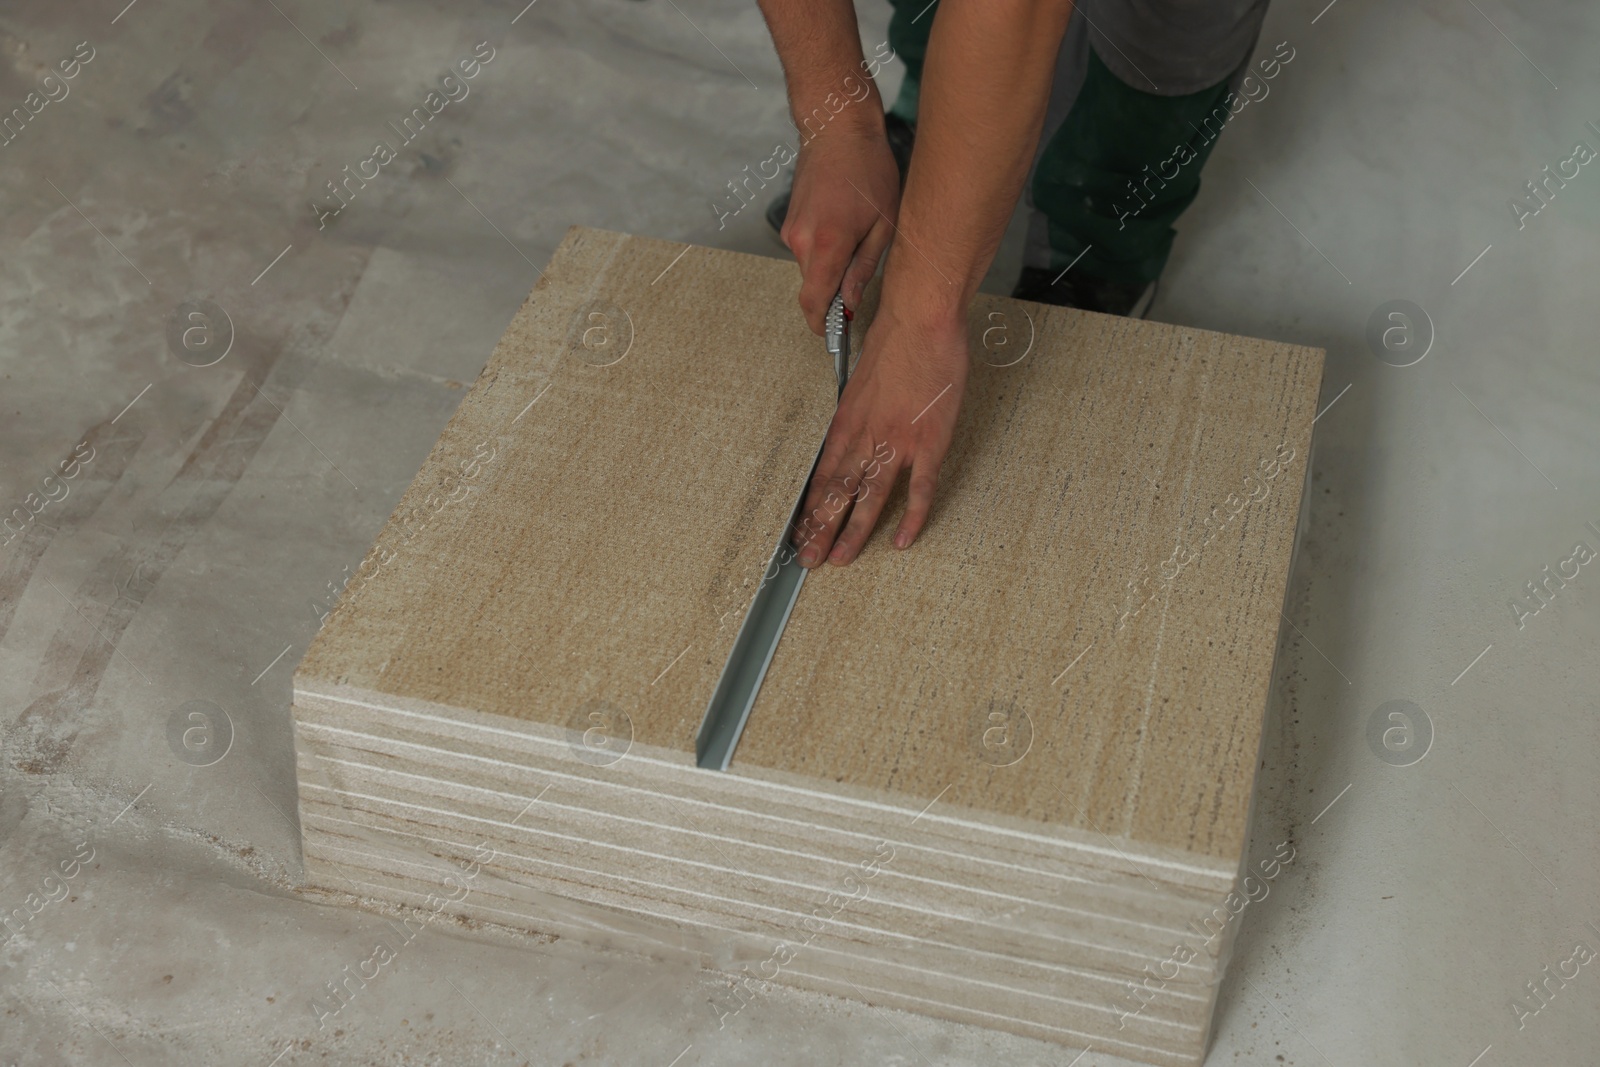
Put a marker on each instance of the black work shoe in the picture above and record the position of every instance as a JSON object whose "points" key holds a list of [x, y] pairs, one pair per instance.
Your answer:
{"points": [[902, 135], [1075, 290]]}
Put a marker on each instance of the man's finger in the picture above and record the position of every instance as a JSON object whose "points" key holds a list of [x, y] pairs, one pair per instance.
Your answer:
{"points": [[833, 461], [815, 533], [870, 502], [827, 506], [848, 469], [864, 264], [821, 272], [919, 499]]}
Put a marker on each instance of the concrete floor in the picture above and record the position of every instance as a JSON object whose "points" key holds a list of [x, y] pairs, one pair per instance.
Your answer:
{"points": [[196, 546]]}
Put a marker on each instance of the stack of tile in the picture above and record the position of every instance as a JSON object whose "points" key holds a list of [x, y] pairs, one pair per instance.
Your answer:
{"points": [[1003, 778]]}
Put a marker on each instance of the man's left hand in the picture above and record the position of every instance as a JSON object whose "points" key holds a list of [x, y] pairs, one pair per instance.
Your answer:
{"points": [[898, 413]]}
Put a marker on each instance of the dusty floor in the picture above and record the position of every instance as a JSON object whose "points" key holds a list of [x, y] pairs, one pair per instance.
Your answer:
{"points": [[211, 508]]}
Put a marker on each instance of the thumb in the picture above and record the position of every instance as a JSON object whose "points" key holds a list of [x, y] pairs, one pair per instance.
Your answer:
{"points": [[864, 264]]}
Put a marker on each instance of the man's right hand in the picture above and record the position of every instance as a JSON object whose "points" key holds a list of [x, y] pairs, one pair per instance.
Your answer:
{"points": [[841, 213]]}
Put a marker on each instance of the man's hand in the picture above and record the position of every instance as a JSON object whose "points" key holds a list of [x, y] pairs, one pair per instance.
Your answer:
{"points": [[898, 413], [846, 195], [984, 88], [846, 186]]}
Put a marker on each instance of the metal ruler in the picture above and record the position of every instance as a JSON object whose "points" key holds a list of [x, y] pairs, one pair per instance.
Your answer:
{"points": [[753, 648]]}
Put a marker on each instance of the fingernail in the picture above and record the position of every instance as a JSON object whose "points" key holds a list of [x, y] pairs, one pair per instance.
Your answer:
{"points": [[902, 539], [837, 554], [808, 557]]}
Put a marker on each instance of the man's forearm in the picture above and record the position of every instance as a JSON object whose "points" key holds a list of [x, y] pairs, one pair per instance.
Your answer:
{"points": [[985, 87], [819, 45]]}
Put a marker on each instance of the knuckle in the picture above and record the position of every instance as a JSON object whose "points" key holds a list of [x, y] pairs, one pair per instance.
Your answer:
{"points": [[841, 496], [827, 238]]}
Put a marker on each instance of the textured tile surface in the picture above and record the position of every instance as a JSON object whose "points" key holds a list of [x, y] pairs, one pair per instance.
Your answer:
{"points": [[210, 531], [632, 466]]}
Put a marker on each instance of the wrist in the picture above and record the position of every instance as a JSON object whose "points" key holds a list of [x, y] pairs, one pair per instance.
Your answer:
{"points": [[838, 93], [826, 111], [938, 345], [916, 294]]}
